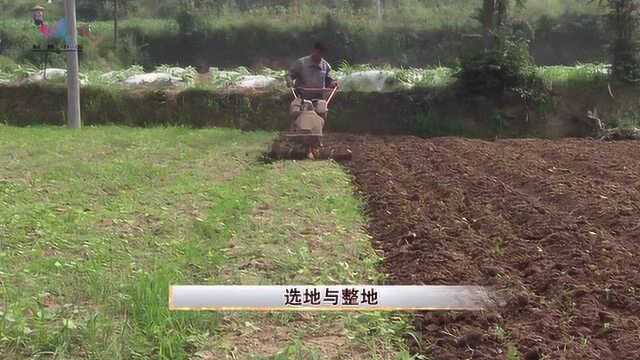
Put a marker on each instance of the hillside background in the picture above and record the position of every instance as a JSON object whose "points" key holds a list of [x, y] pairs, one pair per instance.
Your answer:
{"points": [[270, 33]]}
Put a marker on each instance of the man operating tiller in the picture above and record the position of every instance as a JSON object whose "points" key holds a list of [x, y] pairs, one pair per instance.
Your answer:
{"points": [[313, 88]]}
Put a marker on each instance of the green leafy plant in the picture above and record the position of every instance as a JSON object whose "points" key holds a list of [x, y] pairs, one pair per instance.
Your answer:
{"points": [[508, 68], [626, 119], [188, 74]]}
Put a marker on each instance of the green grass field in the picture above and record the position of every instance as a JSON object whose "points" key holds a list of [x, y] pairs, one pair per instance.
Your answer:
{"points": [[95, 224]]}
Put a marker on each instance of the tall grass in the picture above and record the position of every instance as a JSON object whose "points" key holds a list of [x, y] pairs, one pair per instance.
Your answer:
{"points": [[574, 76]]}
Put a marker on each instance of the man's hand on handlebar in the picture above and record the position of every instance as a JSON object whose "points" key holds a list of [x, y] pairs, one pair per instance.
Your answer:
{"points": [[319, 90]]}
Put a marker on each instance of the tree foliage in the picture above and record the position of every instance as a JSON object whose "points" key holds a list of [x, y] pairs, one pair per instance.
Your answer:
{"points": [[493, 16], [505, 66], [508, 68], [92, 10], [623, 19]]}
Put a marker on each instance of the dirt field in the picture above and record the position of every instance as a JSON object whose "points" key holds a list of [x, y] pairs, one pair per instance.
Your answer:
{"points": [[553, 225]]}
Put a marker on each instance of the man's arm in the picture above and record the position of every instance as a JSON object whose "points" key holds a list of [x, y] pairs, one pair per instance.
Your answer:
{"points": [[332, 83], [294, 73], [329, 80]]}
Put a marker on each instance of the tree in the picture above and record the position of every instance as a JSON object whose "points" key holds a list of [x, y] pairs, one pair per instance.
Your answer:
{"points": [[93, 10], [493, 16], [506, 66], [119, 7], [623, 21]]}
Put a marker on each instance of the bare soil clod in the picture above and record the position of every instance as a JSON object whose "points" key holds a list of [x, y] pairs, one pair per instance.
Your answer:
{"points": [[285, 148]]}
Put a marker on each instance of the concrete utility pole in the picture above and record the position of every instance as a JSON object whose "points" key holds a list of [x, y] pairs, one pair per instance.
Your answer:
{"points": [[115, 24], [297, 7], [73, 72], [380, 9]]}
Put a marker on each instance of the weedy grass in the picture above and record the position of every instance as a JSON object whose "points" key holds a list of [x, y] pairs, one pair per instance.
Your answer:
{"points": [[625, 118], [580, 75], [95, 224]]}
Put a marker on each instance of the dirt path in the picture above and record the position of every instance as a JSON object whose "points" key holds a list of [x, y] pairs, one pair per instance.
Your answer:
{"points": [[553, 225]]}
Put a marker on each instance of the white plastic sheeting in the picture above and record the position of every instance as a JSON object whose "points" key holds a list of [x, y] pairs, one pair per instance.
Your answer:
{"points": [[52, 74], [372, 81], [257, 82], [173, 71], [156, 79], [121, 75]]}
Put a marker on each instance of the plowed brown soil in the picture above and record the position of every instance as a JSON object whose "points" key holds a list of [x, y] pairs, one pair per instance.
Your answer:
{"points": [[553, 225]]}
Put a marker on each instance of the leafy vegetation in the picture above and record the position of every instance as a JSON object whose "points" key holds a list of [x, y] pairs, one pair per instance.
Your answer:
{"points": [[579, 76], [508, 68], [477, 72]]}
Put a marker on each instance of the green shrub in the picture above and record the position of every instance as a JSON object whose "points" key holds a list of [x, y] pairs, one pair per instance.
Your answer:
{"points": [[625, 119], [7, 64], [626, 62], [493, 72], [509, 68]]}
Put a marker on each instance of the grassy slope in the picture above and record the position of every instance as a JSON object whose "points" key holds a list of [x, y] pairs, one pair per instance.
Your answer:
{"points": [[95, 224]]}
